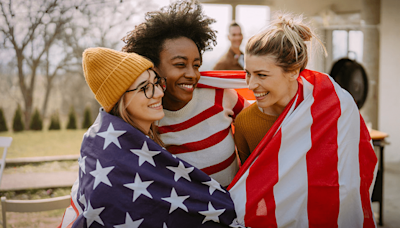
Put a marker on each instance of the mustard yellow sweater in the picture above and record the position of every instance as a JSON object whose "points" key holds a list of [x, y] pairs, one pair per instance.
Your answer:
{"points": [[251, 125]]}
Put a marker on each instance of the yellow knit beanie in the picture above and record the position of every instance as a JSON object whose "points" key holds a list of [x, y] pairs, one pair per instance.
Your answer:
{"points": [[110, 73]]}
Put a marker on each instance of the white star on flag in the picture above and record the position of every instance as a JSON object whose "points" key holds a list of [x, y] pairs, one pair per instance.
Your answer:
{"points": [[81, 162], [236, 224], [129, 223], [214, 185], [181, 171], [145, 154], [92, 215], [82, 199], [164, 225], [211, 214], [139, 187], [111, 136], [176, 201], [100, 174]]}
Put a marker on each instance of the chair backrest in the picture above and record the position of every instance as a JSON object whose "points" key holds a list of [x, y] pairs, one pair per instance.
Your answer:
{"points": [[4, 142], [33, 205]]}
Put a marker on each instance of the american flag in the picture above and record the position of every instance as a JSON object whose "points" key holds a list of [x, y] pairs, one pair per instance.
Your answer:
{"points": [[315, 167], [127, 180]]}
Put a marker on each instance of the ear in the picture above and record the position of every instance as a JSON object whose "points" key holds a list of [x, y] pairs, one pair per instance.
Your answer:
{"points": [[294, 75]]}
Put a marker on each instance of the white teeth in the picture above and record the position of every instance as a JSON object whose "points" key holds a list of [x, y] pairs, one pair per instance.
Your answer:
{"points": [[260, 94], [187, 86], [155, 105]]}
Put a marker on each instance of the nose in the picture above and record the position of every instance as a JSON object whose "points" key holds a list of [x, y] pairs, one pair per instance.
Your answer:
{"points": [[158, 92], [192, 73], [252, 83]]}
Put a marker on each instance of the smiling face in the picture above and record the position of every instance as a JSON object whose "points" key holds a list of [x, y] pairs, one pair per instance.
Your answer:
{"points": [[144, 111], [272, 87], [179, 63]]}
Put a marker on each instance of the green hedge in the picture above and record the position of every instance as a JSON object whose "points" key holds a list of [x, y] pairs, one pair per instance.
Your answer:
{"points": [[36, 121], [87, 118], [3, 122], [55, 122], [71, 119], [18, 124]]}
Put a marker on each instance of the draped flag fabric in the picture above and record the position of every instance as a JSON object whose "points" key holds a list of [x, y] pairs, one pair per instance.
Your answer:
{"points": [[127, 180], [227, 79], [314, 168]]}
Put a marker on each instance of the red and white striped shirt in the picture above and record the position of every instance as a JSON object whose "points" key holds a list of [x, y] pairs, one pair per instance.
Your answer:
{"points": [[200, 133], [314, 168]]}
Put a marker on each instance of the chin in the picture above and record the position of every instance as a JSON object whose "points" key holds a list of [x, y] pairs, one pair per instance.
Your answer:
{"points": [[159, 116], [187, 98], [261, 104]]}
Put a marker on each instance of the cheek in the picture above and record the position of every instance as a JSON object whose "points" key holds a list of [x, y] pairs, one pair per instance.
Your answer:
{"points": [[131, 109], [136, 105], [198, 75]]}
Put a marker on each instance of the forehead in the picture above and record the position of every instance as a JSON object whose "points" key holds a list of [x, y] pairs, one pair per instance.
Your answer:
{"points": [[235, 30], [144, 77], [182, 46], [256, 63]]}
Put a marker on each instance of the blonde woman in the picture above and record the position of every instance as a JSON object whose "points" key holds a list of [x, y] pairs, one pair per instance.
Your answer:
{"points": [[126, 177], [308, 159]]}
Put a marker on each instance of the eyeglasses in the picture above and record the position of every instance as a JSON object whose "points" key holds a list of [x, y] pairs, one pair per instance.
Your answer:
{"points": [[149, 88]]}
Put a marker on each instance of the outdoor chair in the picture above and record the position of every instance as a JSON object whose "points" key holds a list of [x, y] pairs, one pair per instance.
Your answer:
{"points": [[4, 142], [33, 205]]}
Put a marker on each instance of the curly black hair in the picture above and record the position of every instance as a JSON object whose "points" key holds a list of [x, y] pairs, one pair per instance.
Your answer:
{"points": [[180, 19]]}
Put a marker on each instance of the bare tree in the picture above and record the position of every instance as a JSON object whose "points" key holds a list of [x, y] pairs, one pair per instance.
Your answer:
{"points": [[96, 25], [49, 36], [30, 28]]}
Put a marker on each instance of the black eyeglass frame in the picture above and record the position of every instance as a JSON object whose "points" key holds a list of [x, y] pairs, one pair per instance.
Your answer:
{"points": [[159, 81]]}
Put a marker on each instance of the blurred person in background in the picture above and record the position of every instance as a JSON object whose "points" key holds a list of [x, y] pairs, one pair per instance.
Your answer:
{"points": [[233, 59]]}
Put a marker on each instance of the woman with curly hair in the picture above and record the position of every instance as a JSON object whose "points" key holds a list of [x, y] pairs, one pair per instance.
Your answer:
{"points": [[197, 122]]}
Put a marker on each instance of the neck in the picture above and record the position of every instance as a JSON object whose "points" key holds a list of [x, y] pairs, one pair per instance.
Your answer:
{"points": [[172, 105], [144, 127], [236, 50]]}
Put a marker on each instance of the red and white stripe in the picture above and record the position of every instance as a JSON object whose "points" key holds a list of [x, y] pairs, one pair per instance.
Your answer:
{"points": [[74, 210], [314, 168], [231, 79], [200, 133]]}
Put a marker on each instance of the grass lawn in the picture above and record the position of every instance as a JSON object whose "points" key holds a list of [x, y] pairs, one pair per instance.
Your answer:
{"points": [[44, 143]]}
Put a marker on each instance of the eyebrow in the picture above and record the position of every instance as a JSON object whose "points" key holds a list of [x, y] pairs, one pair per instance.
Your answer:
{"points": [[184, 58], [142, 83], [258, 71], [146, 81]]}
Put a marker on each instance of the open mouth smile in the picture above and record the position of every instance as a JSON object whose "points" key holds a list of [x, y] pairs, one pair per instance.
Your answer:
{"points": [[188, 87], [260, 96], [156, 105]]}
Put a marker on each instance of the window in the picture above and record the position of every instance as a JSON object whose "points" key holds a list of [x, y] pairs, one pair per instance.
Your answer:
{"points": [[347, 43]]}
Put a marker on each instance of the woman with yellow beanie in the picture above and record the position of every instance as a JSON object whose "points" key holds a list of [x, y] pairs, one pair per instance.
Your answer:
{"points": [[126, 178]]}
